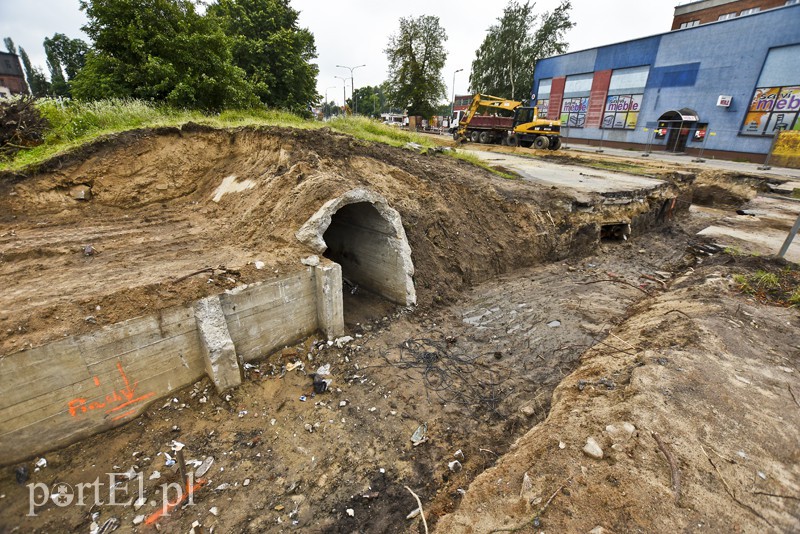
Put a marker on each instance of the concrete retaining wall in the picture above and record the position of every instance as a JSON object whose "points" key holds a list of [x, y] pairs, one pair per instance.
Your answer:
{"points": [[59, 393]]}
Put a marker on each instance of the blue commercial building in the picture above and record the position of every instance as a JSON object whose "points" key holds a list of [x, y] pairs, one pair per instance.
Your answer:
{"points": [[726, 87]]}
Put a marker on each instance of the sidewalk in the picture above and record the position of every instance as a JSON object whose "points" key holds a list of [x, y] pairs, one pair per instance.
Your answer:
{"points": [[685, 159]]}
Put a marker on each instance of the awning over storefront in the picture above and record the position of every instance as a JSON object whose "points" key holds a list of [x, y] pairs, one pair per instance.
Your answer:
{"points": [[681, 115]]}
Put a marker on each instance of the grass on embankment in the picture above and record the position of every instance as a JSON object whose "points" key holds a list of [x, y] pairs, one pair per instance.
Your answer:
{"points": [[74, 123]]}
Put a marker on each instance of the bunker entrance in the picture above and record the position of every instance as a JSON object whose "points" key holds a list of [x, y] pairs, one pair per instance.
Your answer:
{"points": [[365, 236], [364, 244]]}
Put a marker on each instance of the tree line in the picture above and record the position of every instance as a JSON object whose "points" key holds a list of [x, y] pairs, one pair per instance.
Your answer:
{"points": [[242, 53]]}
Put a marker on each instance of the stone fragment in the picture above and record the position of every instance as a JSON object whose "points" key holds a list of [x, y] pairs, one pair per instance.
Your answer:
{"points": [[592, 449]]}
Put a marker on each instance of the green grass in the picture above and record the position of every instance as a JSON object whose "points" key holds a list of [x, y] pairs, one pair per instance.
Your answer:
{"points": [[74, 123], [478, 162], [766, 280]]}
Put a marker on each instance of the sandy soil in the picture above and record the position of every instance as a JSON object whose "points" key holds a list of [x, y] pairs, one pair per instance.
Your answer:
{"points": [[622, 343]]}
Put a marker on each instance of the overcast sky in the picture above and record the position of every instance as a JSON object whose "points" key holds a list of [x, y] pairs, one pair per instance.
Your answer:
{"points": [[355, 32]]}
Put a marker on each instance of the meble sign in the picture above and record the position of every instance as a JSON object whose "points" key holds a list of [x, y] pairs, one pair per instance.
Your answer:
{"points": [[724, 101]]}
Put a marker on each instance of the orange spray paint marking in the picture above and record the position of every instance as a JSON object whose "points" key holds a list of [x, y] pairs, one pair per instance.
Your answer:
{"points": [[114, 401]]}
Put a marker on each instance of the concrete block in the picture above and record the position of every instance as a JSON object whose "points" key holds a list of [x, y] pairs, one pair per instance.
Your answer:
{"points": [[330, 310], [222, 365]]}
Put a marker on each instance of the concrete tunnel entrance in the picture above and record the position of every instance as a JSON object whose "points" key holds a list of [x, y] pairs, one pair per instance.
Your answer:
{"points": [[365, 236]]}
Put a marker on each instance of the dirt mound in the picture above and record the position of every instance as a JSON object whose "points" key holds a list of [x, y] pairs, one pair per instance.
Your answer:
{"points": [[693, 404], [105, 232]]}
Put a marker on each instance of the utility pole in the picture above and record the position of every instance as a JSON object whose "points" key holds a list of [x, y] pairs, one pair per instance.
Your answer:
{"points": [[344, 94], [352, 84], [326, 106], [453, 101]]}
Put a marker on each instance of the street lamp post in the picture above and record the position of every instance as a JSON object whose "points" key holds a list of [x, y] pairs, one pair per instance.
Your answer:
{"points": [[344, 89], [453, 101], [325, 106], [352, 84]]}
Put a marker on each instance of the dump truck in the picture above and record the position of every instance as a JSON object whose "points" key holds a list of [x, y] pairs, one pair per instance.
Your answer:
{"points": [[491, 119]]}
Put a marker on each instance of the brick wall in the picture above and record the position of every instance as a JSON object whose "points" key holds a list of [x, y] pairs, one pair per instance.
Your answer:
{"points": [[713, 13]]}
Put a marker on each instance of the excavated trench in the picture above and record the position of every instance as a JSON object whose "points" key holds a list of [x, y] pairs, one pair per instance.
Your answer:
{"points": [[170, 226]]}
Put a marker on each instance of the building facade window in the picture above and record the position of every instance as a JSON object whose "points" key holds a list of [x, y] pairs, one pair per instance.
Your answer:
{"points": [[775, 104], [576, 100], [750, 11], [543, 97], [690, 24], [624, 101], [792, 2], [727, 16]]}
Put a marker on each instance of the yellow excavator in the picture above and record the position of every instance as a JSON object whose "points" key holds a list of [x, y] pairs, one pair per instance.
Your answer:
{"points": [[491, 119]]}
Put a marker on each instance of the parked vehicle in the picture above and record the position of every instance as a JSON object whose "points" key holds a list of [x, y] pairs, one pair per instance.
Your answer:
{"points": [[491, 119]]}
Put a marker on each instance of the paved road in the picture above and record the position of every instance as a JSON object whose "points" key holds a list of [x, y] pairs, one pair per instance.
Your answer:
{"points": [[581, 179]]}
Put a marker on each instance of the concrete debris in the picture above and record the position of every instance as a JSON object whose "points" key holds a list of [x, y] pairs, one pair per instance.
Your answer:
{"points": [[311, 261], [197, 528], [351, 512], [528, 410], [324, 370], [600, 530], [222, 487], [41, 463], [213, 511], [204, 467], [141, 501], [454, 466], [592, 449], [459, 454], [562, 445], [138, 520], [554, 324], [155, 476], [246, 482], [259, 264]]}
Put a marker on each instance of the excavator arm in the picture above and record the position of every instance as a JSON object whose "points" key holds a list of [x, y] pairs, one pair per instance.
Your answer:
{"points": [[484, 101]]}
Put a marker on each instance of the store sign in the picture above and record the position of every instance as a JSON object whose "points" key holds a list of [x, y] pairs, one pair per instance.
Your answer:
{"points": [[724, 101], [773, 109]]}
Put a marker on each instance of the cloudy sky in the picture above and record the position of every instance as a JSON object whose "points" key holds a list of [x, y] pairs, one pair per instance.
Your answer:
{"points": [[355, 32]]}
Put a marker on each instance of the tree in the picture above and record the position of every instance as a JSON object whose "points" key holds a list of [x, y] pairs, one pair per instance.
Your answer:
{"points": [[504, 63], [65, 58], [372, 100], [160, 50], [416, 57], [37, 81], [272, 49], [10, 46]]}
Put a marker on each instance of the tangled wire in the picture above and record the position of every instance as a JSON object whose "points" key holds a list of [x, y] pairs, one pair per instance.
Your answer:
{"points": [[453, 375]]}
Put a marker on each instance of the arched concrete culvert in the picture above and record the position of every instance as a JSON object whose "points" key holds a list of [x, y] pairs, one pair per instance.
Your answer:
{"points": [[361, 232]]}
